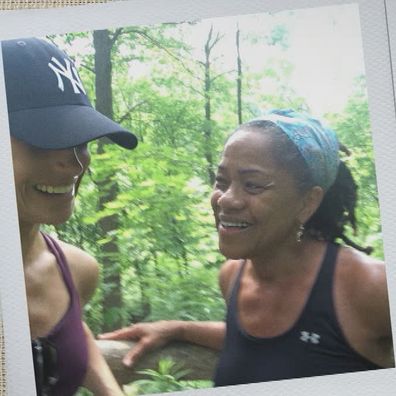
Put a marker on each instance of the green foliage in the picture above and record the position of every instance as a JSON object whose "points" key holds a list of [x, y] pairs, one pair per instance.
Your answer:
{"points": [[168, 257], [279, 35], [354, 131], [84, 392], [167, 378], [194, 297], [164, 379]]}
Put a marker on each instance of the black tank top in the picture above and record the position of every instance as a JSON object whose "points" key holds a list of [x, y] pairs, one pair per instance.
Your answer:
{"points": [[314, 345]]}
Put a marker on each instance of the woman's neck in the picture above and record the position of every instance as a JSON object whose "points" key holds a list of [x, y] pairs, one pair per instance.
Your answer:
{"points": [[289, 261], [32, 242]]}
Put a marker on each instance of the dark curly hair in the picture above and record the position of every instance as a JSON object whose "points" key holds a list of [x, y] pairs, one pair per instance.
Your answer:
{"points": [[337, 208]]}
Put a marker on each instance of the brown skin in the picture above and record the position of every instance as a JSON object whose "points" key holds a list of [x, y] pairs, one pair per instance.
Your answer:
{"points": [[362, 306], [362, 311], [253, 191], [47, 295], [154, 335]]}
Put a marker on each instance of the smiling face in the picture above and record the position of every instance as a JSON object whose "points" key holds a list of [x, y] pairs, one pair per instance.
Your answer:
{"points": [[256, 204], [45, 182]]}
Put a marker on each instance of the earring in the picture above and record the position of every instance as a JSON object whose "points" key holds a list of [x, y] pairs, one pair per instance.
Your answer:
{"points": [[78, 159], [300, 233]]}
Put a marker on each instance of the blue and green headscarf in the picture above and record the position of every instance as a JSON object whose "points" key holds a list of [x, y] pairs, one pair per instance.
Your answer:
{"points": [[317, 143]]}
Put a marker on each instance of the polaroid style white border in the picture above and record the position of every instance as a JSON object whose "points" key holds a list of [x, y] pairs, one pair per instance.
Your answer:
{"points": [[390, 6], [40, 22]]}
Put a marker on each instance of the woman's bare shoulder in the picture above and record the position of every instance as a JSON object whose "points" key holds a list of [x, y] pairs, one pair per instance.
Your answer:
{"points": [[227, 274], [84, 269], [363, 281], [368, 271]]}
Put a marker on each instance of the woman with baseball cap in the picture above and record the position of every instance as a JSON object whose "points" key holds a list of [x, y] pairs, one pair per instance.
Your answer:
{"points": [[51, 122]]}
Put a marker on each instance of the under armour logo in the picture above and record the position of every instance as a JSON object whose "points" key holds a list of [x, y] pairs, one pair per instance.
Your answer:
{"points": [[313, 338], [68, 71]]}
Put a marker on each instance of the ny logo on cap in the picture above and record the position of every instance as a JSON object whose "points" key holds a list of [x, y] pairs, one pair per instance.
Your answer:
{"points": [[68, 71]]}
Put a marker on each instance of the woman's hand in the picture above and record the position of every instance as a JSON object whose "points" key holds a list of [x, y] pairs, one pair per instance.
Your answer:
{"points": [[148, 336], [157, 334]]}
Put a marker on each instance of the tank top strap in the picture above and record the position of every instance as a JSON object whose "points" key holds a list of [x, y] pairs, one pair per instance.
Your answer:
{"points": [[56, 250], [68, 336], [236, 284], [321, 296]]}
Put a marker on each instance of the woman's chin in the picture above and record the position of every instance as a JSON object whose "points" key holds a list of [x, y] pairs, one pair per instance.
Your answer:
{"points": [[58, 219], [231, 253]]}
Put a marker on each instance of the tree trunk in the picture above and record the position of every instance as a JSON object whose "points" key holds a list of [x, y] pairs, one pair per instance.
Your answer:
{"points": [[145, 307], [112, 301], [208, 110]]}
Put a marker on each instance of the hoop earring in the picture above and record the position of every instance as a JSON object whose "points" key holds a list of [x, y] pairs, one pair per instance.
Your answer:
{"points": [[300, 233]]}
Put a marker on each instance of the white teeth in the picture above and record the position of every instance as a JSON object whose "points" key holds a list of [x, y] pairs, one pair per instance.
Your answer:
{"points": [[55, 189], [232, 224]]}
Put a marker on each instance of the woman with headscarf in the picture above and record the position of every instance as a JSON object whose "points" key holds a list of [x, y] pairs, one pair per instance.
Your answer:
{"points": [[299, 303]]}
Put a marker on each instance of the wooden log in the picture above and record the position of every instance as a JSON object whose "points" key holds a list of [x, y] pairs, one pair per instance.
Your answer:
{"points": [[200, 361]]}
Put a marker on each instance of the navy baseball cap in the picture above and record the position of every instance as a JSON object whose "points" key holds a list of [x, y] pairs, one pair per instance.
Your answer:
{"points": [[47, 103]]}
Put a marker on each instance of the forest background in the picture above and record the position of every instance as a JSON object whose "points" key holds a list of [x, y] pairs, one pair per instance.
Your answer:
{"points": [[182, 88]]}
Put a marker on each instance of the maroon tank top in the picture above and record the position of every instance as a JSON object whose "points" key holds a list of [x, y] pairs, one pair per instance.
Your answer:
{"points": [[67, 337]]}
